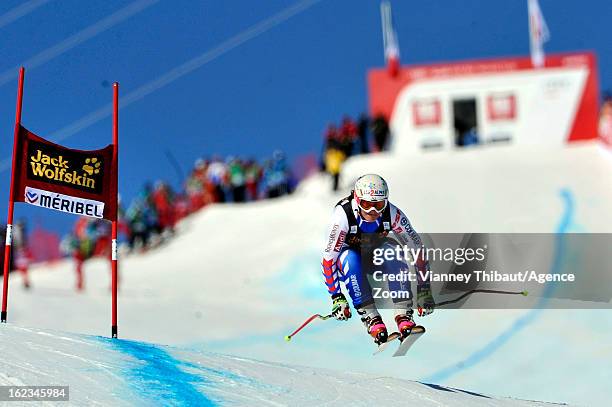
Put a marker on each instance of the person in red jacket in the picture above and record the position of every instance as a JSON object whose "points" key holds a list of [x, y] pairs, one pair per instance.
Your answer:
{"points": [[163, 201], [348, 135]]}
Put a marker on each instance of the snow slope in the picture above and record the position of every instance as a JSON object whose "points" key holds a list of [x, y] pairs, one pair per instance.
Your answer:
{"points": [[101, 371], [240, 277]]}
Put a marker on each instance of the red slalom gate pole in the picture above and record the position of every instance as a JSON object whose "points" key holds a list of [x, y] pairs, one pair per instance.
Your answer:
{"points": [[115, 182], [11, 203]]}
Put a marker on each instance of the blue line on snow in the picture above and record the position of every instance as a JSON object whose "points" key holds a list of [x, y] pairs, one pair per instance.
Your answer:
{"points": [[157, 376], [528, 317]]}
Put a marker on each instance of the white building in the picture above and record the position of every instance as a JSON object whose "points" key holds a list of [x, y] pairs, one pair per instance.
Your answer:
{"points": [[443, 106]]}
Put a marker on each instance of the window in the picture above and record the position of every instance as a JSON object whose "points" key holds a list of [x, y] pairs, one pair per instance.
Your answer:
{"points": [[501, 106], [427, 112]]}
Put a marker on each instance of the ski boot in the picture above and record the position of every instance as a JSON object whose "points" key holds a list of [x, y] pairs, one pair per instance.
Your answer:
{"points": [[376, 328], [405, 323]]}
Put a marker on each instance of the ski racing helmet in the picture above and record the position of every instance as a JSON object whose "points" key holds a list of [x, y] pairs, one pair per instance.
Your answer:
{"points": [[371, 193]]}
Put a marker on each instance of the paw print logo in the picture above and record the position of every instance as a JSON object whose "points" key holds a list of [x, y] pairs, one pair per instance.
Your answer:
{"points": [[92, 166]]}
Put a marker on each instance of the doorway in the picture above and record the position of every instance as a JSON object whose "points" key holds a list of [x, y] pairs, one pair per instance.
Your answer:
{"points": [[465, 122]]}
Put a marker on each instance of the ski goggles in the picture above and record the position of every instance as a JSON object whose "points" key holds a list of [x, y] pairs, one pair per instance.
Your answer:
{"points": [[368, 206]]}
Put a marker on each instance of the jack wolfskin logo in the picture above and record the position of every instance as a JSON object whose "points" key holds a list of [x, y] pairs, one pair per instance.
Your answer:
{"points": [[92, 166], [65, 168]]}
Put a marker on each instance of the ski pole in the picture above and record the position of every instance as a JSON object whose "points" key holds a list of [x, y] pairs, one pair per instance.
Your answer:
{"points": [[462, 296], [308, 321]]}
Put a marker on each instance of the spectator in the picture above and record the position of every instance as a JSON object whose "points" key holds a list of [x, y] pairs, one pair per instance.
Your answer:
{"points": [[217, 175], [276, 175], [237, 179], [163, 201], [199, 190], [90, 238], [380, 131], [21, 256], [194, 188], [100, 232], [181, 207], [70, 247], [362, 126], [122, 225], [605, 119], [334, 157], [335, 154], [348, 136], [331, 138], [253, 174], [81, 246], [142, 220]]}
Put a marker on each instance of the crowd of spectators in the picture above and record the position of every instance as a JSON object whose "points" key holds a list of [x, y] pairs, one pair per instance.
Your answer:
{"points": [[237, 180], [151, 216], [352, 137]]}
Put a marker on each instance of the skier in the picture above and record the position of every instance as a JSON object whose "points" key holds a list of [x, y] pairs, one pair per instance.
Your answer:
{"points": [[365, 214]]}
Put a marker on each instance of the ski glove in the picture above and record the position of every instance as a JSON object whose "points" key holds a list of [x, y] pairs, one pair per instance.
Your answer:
{"points": [[340, 307], [425, 302]]}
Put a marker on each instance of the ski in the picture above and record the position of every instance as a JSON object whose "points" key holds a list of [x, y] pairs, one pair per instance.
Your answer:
{"points": [[408, 341], [405, 343], [393, 336]]}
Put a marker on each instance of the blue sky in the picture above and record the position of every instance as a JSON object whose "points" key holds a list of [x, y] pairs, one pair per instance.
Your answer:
{"points": [[275, 90]]}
